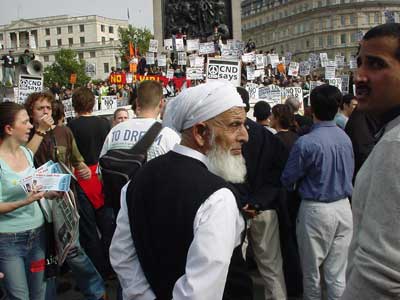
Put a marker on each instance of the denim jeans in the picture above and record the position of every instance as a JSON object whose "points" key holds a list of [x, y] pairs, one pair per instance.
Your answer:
{"points": [[90, 223], [86, 276], [22, 260]]}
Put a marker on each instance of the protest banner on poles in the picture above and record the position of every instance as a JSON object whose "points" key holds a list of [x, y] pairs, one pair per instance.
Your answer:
{"points": [[153, 46], [218, 68], [27, 85]]}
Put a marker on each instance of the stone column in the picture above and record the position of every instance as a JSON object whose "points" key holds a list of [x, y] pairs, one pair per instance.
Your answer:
{"points": [[236, 20], [158, 22], [17, 35]]}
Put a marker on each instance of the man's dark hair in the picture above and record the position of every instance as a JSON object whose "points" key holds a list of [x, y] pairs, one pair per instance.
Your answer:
{"points": [[325, 101], [262, 111], [83, 100], [346, 100], [245, 96], [284, 115], [385, 30]]}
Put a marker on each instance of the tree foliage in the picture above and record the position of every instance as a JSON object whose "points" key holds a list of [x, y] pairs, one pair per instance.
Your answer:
{"points": [[138, 36], [66, 63]]}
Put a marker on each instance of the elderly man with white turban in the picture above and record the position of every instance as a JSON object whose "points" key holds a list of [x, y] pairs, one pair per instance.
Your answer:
{"points": [[184, 219]]}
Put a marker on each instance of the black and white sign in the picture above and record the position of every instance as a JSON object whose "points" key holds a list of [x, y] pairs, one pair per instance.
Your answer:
{"points": [[293, 69], [273, 60], [250, 73], [345, 83], [336, 82], [259, 61], [296, 92], [150, 58], [192, 45], [249, 57], [304, 68], [270, 94], [194, 74], [68, 109], [179, 45], [27, 85], [182, 58], [90, 69], [206, 48], [168, 45], [170, 73], [229, 70], [330, 72], [153, 46], [162, 60], [108, 102], [252, 89]]}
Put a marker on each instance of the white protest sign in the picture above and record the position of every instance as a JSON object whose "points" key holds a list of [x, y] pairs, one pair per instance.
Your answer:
{"points": [[182, 58], [273, 60], [168, 45], [250, 73], [324, 59], [353, 63], [230, 53], [249, 57], [179, 45], [293, 69], [162, 60], [192, 45], [96, 103], [336, 82], [199, 62], [109, 102], [150, 58], [170, 73], [296, 92], [206, 48], [304, 68], [27, 85], [252, 89], [90, 69], [345, 83], [259, 61], [218, 68], [330, 72], [129, 77], [270, 94], [194, 73], [339, 59], [153, 46], [68, 108], [258, 73]]}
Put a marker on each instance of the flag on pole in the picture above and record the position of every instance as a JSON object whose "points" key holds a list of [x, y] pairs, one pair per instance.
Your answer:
{"points": [[127, 10], [131, 50]]}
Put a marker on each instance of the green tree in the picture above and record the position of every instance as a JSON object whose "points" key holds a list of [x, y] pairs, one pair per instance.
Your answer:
{"points": [[66, 63], [138, 36]]}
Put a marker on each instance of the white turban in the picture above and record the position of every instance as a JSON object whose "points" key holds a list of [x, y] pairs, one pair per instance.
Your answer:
{"points": [[200, 103]]}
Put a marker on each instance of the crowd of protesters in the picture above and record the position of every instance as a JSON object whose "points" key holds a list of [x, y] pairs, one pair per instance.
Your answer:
{"points": [[311, 200]]}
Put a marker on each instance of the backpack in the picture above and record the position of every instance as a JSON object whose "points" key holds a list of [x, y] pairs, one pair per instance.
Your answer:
{"points": [[118, 166]]}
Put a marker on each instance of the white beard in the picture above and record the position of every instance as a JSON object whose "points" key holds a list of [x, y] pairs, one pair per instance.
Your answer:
{"points": [[230, 167]]}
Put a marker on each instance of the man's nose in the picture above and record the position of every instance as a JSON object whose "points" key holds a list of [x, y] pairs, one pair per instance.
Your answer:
{"points": [[243, 136]]}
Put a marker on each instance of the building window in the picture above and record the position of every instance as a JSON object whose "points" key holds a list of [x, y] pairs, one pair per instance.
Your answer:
{"points": [[70, 41], [343, 20], [103, 40], [111, 29], [70, 29], [376, 18], [80, 55], [47, 31], [46, 58], [343, 38], [82, 40], [82, 28], [111, 39], [321, 41], [58, 30], [1, 36], [47, 43], [307, 43], [352, 19], [103, 28], [353, 37], [106, 68], [92, 54], [59, 42], [330, 40]]}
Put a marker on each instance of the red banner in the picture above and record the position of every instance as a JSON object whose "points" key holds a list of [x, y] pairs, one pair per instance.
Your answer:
{"points": [[117, 78]]}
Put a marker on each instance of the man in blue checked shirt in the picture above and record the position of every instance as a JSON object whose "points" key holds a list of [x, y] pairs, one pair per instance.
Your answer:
{"points": [[321, 166]]}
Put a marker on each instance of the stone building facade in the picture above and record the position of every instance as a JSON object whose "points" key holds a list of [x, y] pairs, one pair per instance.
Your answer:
{"points": [[313, 26], [94, 38]]}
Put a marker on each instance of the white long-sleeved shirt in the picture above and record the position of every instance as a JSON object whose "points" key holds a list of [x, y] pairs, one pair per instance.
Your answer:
{"points": [[217, 229]]}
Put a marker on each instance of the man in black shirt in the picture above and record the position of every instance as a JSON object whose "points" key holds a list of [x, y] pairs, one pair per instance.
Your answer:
{"points": [[8, 64]]}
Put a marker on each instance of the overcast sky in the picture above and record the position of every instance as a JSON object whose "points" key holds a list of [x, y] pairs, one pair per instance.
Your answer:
{"points": [[141, 11]]}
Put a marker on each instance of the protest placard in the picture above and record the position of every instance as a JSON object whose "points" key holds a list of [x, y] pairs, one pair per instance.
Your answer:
{"points": [[250, 73], [194, 74], [273, 60], [297, 93], [68, 108], [304, 68], [129, 77], [345, 83], [249, 57], [150, 58], [182, 58], [199, 62], [170, 73], [108, 102], [288, 57], [339, 59], [168, 45], [162, 60], [192, 45], [153, 46], [27, 85], [252, 89], [259, 61], [179, 45], [330, 72], [336, 82], [323, 57], [218, 68], [206, 48], [259, 73], [90, 69], [271, 94], [353, 63], [293, 69]]}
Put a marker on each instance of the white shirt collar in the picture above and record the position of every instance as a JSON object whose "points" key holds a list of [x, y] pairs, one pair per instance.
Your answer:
{"points": [[191, 153]]}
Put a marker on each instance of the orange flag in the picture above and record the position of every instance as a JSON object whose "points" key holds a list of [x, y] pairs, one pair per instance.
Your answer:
{"points": [[131, 49]]}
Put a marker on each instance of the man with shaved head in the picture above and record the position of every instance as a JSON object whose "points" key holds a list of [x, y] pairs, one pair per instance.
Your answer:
{"points": [[184, 217]]}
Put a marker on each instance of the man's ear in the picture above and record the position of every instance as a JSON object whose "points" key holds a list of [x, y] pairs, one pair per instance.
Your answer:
{"points": [[8, 129], [200, 133]]}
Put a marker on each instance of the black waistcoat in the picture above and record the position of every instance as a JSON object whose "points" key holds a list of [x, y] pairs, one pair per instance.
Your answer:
{"points": [[162, 205]]}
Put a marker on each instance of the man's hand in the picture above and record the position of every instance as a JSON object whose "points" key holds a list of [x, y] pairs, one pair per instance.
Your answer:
{"points": [[51, 195], [45, 123], [84, 171], [250, 211], [34, 196]]}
